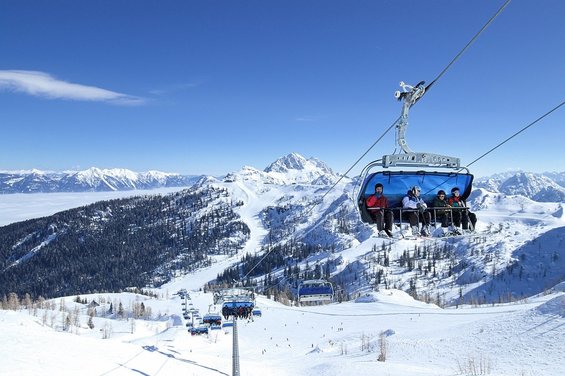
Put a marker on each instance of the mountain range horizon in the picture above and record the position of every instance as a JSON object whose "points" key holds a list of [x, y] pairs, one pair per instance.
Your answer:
{"points": [[288, 169]]}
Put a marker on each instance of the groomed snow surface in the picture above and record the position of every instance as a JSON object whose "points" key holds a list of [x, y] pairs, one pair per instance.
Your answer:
{"points": [[526, 338]]}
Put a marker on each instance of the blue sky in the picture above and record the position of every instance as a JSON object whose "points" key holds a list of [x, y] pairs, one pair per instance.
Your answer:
{"points": [[206, 87]]}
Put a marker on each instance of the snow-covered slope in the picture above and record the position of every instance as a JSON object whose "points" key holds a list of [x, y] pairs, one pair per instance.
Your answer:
{"points": [[20, 206], [333, 340]]}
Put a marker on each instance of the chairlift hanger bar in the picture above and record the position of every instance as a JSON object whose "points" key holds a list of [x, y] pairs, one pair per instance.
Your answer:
{"points": [[410, 95]]}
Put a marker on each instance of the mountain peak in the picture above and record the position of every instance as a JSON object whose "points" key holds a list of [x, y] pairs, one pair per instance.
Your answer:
{"points": [[294, 168], [292, 161], [539, 188]]}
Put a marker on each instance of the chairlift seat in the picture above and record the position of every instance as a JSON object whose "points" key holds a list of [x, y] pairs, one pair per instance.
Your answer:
{"points": [[396, 185]]}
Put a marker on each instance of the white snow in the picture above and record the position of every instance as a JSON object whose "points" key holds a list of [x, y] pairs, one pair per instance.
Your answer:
{"points": [[526, 337]]}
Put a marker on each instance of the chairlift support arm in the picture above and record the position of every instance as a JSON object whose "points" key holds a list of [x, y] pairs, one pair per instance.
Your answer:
{"points": [[410, 95]]}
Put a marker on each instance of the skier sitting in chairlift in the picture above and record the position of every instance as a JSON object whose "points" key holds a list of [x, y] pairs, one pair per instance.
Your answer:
{"points": [[463, 216], [413, 201], [377, 205]]}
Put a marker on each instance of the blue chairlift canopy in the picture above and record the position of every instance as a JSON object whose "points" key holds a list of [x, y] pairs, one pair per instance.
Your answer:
{"points": [[315, 290], [211, 318], [396, 185]]}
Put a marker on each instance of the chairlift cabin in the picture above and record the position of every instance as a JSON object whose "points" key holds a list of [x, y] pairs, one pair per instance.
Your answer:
{"points": [[398, 173], [256, 312], [315, 291], [237, 302], [397, 183], [212, 319], [237, 308], [199, 330]]}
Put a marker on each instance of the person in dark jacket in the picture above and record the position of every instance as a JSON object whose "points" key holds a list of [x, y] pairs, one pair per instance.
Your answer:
{"points": [[412, 200], [443, 215], [461, 216], [377, 205]]}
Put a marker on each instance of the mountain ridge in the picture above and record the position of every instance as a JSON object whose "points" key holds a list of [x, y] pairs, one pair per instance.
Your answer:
{"points": [[539, 187], [93, 179], [292, 168]]}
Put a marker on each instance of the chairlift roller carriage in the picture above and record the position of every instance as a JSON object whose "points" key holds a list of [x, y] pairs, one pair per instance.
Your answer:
{"points": [[398, 173]]}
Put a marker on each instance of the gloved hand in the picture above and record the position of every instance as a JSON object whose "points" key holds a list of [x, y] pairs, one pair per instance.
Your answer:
{"points": [[421, 208]]}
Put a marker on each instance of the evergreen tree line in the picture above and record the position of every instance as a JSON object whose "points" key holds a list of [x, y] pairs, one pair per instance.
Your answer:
{"points": [[280, 256], [111, 245]]}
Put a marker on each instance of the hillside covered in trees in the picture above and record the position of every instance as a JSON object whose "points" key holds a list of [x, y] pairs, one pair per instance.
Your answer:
{"points": [[111, 245]]}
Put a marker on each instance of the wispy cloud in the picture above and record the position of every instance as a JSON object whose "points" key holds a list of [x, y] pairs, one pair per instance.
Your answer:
{"points": [[44, 85]]}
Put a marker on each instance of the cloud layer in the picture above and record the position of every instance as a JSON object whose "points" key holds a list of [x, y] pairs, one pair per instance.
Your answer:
{"points": [[44, 85]]}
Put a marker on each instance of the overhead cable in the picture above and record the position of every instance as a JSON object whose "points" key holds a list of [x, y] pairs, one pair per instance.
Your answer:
{"points": [[468, 44], [520, 131]]}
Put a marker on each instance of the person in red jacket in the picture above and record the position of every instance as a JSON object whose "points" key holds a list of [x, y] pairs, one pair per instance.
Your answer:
{"points": [[376, 205], [462, 216]]}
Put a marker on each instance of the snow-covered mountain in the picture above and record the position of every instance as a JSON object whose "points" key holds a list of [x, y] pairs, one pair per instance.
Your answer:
{"points": [[294, 168], [546, 187], [558, 177], [90, 180], [326, 233], [283, 232], [290, 169]]}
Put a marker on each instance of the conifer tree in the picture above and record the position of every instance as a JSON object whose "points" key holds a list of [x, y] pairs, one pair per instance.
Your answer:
{"points": [[121, 310]]}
